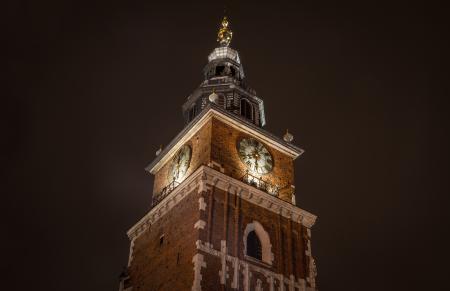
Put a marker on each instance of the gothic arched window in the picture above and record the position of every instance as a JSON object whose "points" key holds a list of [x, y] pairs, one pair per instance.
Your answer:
{"points": [[246, 109], [254, 248], [257, 243]]}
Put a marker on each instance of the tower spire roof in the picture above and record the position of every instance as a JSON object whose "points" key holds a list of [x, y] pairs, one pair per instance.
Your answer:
{"points": [[225, 34]]}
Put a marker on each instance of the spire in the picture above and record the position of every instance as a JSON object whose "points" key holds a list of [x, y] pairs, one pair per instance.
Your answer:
{"points": [[225, 34]]}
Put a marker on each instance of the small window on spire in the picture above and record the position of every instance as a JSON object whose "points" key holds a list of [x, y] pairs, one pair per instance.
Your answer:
{"points": [[192, 112], [221, 101], [246, 109], [220, 70]]}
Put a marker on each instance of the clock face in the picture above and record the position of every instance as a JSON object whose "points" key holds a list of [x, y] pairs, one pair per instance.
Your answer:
{"points": [[180, 164], [255, 156]]}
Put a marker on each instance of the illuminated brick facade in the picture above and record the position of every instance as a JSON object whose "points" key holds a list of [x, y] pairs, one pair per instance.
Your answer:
{"points": [[224, 152], [223, 224], [215, 145], [206, 217]]}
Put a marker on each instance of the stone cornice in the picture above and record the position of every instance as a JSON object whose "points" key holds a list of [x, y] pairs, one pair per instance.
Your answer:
{"points": [[214, 111], [259, 197], [205, 177], [189, 184]]}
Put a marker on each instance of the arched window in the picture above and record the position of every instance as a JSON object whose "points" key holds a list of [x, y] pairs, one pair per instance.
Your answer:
{"points": [[246, 109], [254, 248], [257, 243]]}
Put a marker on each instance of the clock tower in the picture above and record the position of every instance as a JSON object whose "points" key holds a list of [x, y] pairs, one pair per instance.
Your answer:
{"points": [[223, 211]]}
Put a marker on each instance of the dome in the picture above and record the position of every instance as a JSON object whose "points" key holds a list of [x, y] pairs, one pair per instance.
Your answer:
{"points": [[224, 53]]}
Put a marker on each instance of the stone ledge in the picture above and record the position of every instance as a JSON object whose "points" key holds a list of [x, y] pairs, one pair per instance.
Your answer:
{"points": [[204, 177], [212, 111], [259, 197]]}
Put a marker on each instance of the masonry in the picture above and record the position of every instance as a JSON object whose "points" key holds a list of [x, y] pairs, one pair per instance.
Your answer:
{"points": [[203, 225], [215, 143], [223, 213]]}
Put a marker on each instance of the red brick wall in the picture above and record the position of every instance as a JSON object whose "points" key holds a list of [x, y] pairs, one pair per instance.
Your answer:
{"points": [[155, 267], [224, 151], [217, 141], [201, 150], [240, 213]]}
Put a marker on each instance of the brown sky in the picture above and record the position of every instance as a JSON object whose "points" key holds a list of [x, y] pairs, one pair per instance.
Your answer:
{"points": [[93, 88]]}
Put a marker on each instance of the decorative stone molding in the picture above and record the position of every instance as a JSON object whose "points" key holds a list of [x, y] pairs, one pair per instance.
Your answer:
{"points": [[271, 281], [217, 166], [201, 204], [312, 270], [234, 121], [293, 195], [199, 263], [258, 285], [175, 197], [235, 282], [248, 268], [202, 187], [223, 273], [204, 178], [200, 224], [260, 198]]}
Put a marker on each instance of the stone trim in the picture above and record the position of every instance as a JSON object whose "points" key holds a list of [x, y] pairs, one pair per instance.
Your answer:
{"points": [[205, 177], [312, 270], [247, 269], [200, 224], [130, 255], [199, 263], [216, 165], [235, 122], [267, 255], [201, 204], [260, 198], [223, 273], [184, 189]]}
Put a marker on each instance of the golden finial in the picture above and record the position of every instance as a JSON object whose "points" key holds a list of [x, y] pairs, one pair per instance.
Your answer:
{"points": [[225, 34]]}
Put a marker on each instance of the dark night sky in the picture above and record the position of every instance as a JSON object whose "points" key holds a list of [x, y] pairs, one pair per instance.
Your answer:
{"points": [[93, 88]]}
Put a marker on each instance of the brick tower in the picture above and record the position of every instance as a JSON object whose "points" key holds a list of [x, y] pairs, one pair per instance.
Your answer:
{"points": [[224, 215]]}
